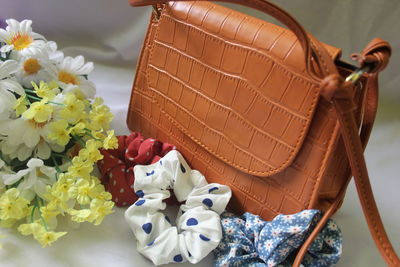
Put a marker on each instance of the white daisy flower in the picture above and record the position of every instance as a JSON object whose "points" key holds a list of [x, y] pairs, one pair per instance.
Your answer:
{"points": [[36, 68], [305, 214], [283, 252], [225, 221], [229, 230], [34, 179], [330, 240], [294, 229], [55, 55], [332, 226], [268, 245], [276, 232], [258, 221], [70, 74], [271, 263], [232, 252], [24, 138], [7, 85], [287, 218], [20, 39], [239, 221]]}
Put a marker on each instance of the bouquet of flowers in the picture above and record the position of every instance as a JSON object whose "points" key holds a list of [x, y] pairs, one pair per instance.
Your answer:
{"points": [[51, 130]]}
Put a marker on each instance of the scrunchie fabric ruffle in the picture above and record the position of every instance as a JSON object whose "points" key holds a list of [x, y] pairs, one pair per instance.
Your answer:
{"points": [[250, 241], [116, 167], [198, 229]]}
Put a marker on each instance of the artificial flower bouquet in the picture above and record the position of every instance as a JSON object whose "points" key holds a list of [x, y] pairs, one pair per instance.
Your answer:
{"points": [[51, 130]]}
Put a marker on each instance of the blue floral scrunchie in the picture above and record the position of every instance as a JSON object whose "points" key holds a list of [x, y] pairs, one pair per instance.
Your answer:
{"points": [[249, 241]]}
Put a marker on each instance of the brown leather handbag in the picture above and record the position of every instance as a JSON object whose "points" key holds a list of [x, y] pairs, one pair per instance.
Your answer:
{"points": [[263, 109]]}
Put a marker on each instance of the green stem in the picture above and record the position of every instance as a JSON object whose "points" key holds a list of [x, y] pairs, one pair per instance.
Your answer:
{"points": [[40, 213], [33, 213], [79, 140], [39, 99], [61, 156], [55, 163], [88, 134]]}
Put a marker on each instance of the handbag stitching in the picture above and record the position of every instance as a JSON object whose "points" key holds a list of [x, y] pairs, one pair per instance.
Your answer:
{"points": [[257, 51], [145, 43], [319, 54], [242, 189], [249, 84], [235, 113], [367, 203]]}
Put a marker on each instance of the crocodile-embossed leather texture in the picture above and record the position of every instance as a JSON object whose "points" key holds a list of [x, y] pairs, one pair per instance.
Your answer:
{"points": [[232, 92]]}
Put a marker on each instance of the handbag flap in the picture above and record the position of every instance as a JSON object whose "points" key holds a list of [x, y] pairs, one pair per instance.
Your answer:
{"points": [[234, 84]]}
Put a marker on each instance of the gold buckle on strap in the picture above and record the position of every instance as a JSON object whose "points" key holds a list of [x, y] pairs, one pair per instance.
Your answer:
{"points": [[357, 74]]}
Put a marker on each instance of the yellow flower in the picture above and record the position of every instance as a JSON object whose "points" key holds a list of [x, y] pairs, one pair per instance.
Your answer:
{"points": [[40, 233], [62, 190], [80, 215], [98, 190], [49, 212], [91, 151], [39, 111], [100, 117], [110, 142], [104, 195], [59, 132], [100, 209], [58, 204], [98, 101], [34, 228], [78, 129], [73, 110], [79, 94], [12, 206], [80, 168], [43, 90], [53, 85], [20, 105], [48, 237], [98, 135], [84, 189]]}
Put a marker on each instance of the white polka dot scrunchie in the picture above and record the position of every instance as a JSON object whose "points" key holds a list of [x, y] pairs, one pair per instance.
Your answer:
{"points": [[198, 229]]}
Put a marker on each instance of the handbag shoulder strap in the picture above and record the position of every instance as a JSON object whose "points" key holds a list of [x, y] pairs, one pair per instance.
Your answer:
{"points": [[376, 54], [354, 152]]}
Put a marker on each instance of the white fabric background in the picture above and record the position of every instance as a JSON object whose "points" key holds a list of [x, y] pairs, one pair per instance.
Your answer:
{"points": [[110, 33]]}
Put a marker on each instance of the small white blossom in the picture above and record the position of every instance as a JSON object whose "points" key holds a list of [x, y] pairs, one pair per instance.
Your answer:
{"points": [[34, 179]]}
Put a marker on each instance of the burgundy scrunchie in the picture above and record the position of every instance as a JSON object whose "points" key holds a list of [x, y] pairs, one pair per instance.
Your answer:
{"points": [[116, 167]]}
